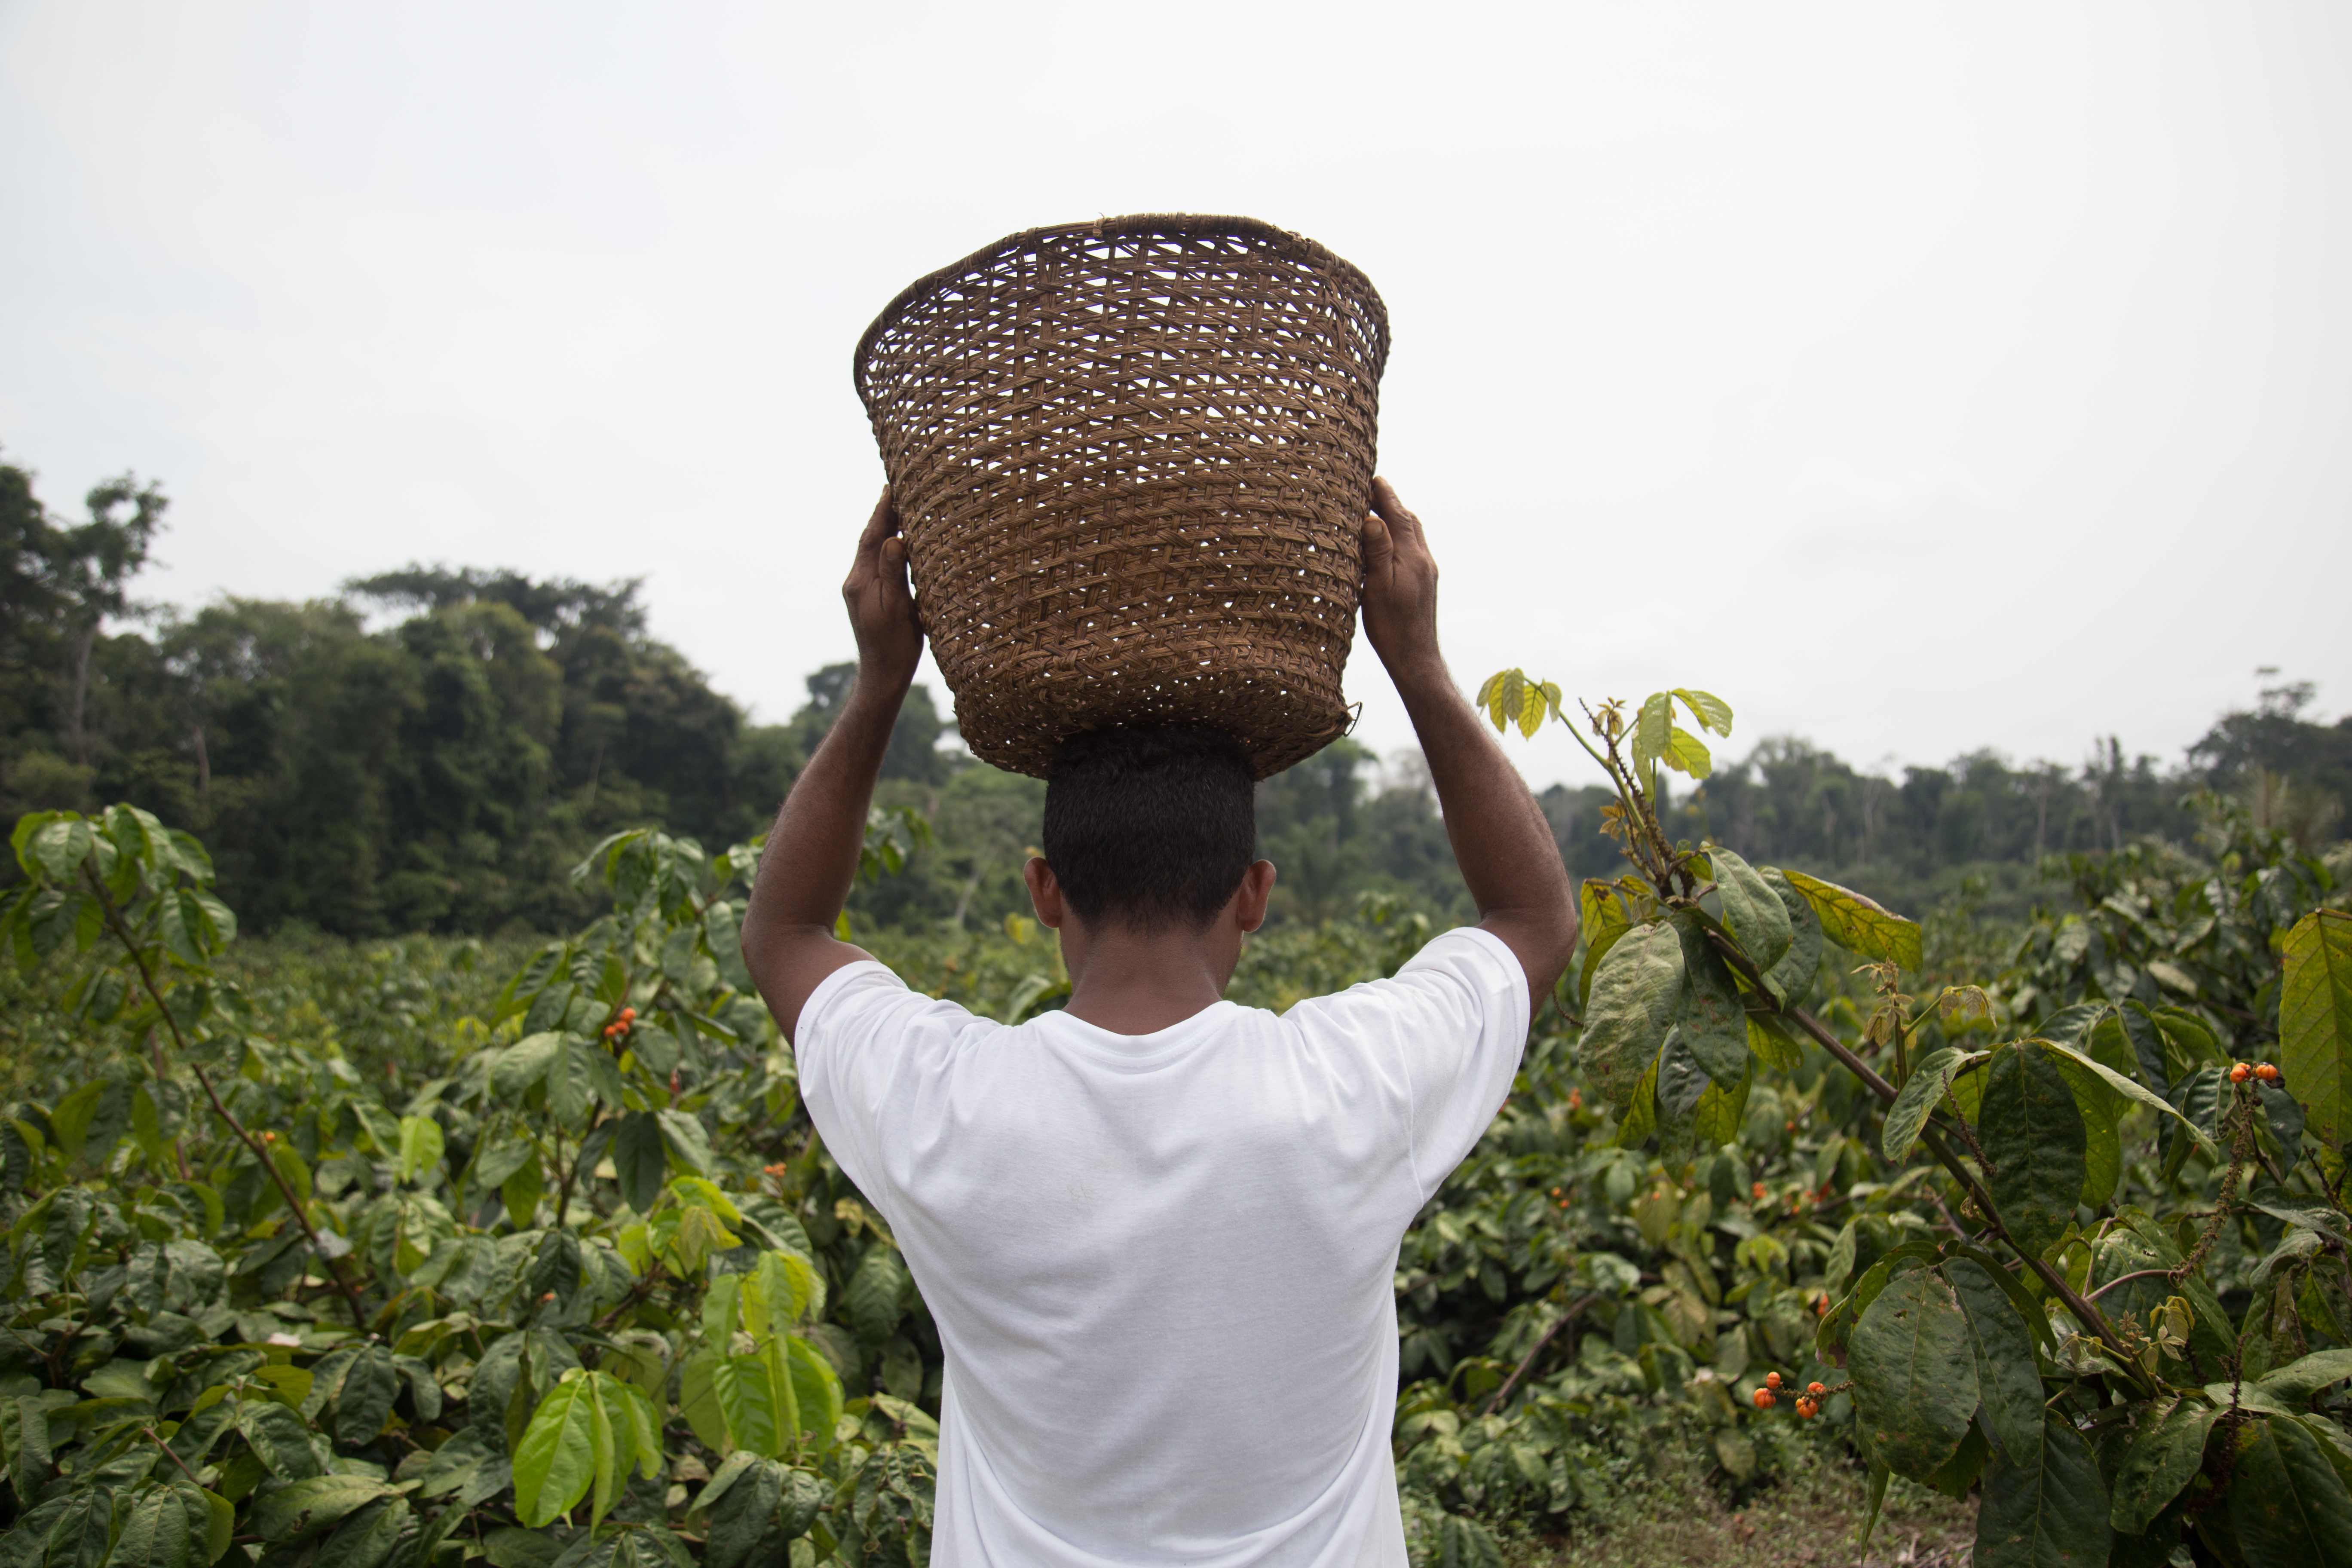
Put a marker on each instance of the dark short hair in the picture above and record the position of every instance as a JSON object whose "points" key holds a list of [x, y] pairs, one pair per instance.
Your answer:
{"points": [[1151, 827]]}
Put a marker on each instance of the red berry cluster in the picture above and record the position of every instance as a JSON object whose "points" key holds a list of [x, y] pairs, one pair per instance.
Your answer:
{"points": [[1809, 1402], [623, 1021], [2262, 1071]]}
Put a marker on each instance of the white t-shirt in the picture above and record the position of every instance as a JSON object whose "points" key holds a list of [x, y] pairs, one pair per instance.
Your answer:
{"points": [[1162, 1266]]}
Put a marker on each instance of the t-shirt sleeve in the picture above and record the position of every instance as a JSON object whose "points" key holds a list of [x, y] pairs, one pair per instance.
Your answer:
{"points": [[1446, 1035], [859, 1034]]}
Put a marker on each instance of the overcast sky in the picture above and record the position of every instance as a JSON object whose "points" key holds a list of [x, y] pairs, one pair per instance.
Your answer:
{"points": [[1917, 378]]}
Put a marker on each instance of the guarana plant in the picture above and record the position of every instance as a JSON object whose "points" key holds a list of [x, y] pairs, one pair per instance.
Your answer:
{"points": [[2065, 1173], [595, 1295]]}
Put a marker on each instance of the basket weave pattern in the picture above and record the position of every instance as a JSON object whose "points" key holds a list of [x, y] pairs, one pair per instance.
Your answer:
{"points": [[1131, 461]]}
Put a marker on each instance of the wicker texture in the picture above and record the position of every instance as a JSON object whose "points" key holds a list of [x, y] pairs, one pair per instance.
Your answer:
{"points": [[1131, 460]]}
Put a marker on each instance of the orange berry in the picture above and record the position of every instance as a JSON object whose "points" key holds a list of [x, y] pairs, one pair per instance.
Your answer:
{"points": [[1576, 1100], [2267, 1073], [1792, 1127], [2240, 1073], [1772, 1380], [628, 1014], [550, 1296], [1757, 1190], [1764, 1400], [1815, 1389], [1805, 1408]]}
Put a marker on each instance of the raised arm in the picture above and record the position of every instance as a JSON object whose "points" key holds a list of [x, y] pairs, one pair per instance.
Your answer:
{"points": [[1501, 839], [810, 858]]}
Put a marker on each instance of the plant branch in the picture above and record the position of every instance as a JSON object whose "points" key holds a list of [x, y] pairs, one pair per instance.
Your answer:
{"points": [[2083, 1310], [174, 1458], [155, 993]]}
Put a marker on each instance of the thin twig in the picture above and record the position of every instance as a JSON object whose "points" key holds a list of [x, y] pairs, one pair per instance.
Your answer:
{"points": [[1534, 1351]]}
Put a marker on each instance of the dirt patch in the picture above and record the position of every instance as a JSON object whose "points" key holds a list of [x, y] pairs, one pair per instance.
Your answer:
{"points": [[1809, 1521]]}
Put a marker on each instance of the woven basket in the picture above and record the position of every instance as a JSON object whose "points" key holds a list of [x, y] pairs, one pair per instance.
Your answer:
{"points": [[1131, 460]]}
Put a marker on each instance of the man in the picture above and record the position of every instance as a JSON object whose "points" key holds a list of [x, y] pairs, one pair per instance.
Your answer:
{"points": [[1158, 1231]]}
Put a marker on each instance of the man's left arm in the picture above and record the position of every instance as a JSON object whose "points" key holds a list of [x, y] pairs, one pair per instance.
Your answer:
{"points": [[810, 858]]}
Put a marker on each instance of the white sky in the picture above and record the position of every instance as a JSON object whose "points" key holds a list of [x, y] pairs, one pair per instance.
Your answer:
{"points": [[1918, 378]]}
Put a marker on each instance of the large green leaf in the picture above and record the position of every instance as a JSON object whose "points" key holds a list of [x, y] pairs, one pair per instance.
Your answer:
{"points": [[1921, 1094], [744, 1523], [1714, 1025], [556, 1459], [1753, 912], [2286, 1500], [1858, 923], [2165, 1452], [279, 1439], [2033, 1133], [1915, 1373], [2296, 1382], [368, 1538], [2009, 1380], [361, 1401], [1634, 993], [640, 1159], [2128, 1089], [2103, 1151], [156, 1535], [876, 1293], [748, 1395], [303, 1507], [697, 1399], [816, 1389], [2315, 1022], [1792, 976], [2051, 1515]]}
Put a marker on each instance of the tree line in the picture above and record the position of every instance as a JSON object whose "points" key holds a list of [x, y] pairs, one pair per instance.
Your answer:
{"points": [[444, 768]]}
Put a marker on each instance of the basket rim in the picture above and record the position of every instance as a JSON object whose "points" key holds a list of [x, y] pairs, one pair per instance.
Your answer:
{"points": [[1348, 272]]}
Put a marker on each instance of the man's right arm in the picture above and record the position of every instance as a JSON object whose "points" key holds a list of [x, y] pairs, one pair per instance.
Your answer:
{"points": [[1501, 840]]}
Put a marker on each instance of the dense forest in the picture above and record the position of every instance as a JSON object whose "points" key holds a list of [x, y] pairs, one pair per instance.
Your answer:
{"points": [[433, 749]]}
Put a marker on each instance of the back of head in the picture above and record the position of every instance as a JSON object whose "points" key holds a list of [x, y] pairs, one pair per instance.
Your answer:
{"points": [[1150, 827]]}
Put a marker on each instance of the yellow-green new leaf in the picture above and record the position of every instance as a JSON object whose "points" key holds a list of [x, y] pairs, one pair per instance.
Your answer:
{"points": [[1711, 711], [556, 1460], [1858, 924], [421, 1144]]}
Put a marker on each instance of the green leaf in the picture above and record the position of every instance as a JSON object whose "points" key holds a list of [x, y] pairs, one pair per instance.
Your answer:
{"points": [[2286, 1500], [2009, 1380], [2165, 1452], [2315, 1022], [1687, 753], [1651, 725], [556, 1460], [1858, 923], [1711, 711], [1920, 1097], [156, 1535], [1716, 1118], [816, 1389], [2134, 1091], [368, 1538], [2033, 1133], [2051, 1515], [69, 1122], [1601, 917], [524, 1063], [1714, 1025], [1769, 1042], [2102, 1149], [640, 1160], [689, 1146], [876, 1293], [363, 1402], [279, 1439], [1915, 1373], [698, 1400], [1634, 993], [1752, 910], [1791, 977], [744, 1526], [747, 1398], [1641, 1117], [2296, 1382], [421, 1144], [304, 1508]]}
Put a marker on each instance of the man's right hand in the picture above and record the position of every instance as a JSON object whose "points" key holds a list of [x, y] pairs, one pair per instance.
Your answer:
{"points": [[1398, 600]]}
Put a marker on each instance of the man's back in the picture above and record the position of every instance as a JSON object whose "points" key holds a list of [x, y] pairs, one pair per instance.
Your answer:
{"points": [[1162, 1264]]}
